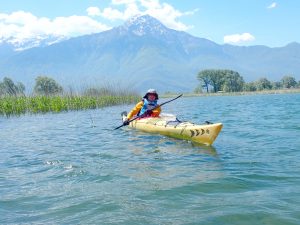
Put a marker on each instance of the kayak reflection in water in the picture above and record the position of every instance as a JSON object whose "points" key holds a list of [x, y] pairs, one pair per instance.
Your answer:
{"points": [[145, 107]]}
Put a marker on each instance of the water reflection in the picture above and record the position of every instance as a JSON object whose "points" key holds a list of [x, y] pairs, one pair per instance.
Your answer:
{"points": [[163, 163], [141, 142]]}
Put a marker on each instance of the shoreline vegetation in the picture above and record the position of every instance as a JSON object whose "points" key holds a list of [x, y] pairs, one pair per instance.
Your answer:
{"points": [[49, 96], [221, 93], [18, 105], [220, 82]]}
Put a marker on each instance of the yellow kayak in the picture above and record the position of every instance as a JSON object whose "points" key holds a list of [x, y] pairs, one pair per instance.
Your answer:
{"points": [[169, 125]]}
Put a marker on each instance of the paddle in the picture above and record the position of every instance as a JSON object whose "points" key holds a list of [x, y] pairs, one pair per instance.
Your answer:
{"points": [[151, 109]]}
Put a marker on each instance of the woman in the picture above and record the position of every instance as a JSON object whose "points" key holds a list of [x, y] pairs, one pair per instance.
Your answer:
{"points": [[147, 107]]}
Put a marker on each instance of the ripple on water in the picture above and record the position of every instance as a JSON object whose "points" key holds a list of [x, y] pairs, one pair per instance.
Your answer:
{"points": [[68, 169]]}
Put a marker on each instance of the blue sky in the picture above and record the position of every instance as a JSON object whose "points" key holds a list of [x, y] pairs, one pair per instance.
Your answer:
{"points": [[239, 22]]}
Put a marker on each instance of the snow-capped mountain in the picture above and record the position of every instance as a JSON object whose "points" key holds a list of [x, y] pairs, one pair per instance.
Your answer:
{"points": [[37, 41], [137, 25], [143, 25], [144, 53]]}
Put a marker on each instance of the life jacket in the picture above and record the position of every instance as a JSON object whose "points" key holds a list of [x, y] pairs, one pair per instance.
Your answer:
{"points": [[148, 105]]}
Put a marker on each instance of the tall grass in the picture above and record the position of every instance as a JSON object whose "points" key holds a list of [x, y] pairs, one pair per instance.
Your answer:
{"points": [[95, 98]]}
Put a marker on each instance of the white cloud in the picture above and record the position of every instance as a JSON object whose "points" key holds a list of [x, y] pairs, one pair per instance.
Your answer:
{"points": [[272, 6], [20, 26], [122, 2], [238, 38], [192, 12], [76, 25], [164, 12], [19, 17], [168, 15], [130, 11], [93, 11], [112, 14], [150, 4]]}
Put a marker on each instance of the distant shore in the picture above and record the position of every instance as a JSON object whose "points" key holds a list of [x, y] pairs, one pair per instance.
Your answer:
{"points": [[264, 92], [15, 106]]}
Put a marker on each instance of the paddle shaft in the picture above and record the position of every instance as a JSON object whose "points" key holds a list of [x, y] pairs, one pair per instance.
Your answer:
{"points": [[151, 109]]}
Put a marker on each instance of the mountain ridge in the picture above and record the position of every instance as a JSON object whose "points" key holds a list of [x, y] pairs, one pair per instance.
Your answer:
{"points": [[142, 53]]}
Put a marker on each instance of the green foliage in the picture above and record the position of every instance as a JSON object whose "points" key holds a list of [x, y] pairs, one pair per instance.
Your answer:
{"points": [[276, 85], [249, 86], [204, 78], [47, 86], [216, 80], [263, 84], [9, 88], [232, 81], [12, 105], [289, 82], [49, 101], [221, 80]]}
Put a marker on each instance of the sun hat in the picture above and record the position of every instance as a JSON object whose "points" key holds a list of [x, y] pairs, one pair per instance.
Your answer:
{"points": [[151, 91]]}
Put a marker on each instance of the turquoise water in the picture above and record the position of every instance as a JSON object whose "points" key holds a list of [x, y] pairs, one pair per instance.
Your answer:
{"points": [[71, 168]]}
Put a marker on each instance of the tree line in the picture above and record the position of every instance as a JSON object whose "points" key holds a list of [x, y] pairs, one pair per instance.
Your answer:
{"points": [[49, 96], [210, 80], [47, 86], [43, 86], [231, 81]]}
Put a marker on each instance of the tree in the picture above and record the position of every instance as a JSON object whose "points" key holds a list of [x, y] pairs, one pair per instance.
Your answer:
{"points": [[204, 77], [249, 86], [47, 86], [211, 77], [288, 82], [226, 80], [263, 84], [232, 81], [216, 79], [276, 85], [8, 87]]}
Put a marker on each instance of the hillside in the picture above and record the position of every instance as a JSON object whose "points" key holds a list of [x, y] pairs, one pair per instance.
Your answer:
{"points": [[144, 53]]}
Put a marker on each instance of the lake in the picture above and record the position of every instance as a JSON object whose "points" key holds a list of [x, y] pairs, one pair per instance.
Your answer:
{"points": [[72, 168]]}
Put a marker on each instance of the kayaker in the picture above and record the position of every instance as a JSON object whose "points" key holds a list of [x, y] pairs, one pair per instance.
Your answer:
{"points": [[145, 107]]}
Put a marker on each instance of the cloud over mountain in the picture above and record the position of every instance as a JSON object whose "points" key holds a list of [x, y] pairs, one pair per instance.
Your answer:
{"points": [[25, 30], [144, 52], [238, 38]]}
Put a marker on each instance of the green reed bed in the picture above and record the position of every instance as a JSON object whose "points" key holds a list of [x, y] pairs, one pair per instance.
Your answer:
{"points": [[11, 105]]}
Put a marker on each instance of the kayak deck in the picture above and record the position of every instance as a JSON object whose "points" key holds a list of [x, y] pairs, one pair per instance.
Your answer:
{"points": [[169, 125]]}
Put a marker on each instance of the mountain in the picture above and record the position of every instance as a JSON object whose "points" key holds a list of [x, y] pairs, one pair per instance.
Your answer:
{"points": [[37, 41], [6, 50], [143, 53]]}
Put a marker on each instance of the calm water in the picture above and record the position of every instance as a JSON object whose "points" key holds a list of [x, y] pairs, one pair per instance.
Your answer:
{"points": [[71, 168]]}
